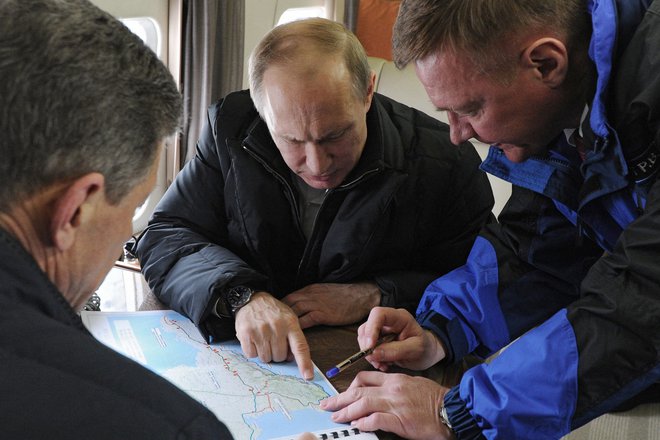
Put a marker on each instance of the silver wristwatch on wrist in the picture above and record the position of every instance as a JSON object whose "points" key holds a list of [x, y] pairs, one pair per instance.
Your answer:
{"points": [[443, 417]]}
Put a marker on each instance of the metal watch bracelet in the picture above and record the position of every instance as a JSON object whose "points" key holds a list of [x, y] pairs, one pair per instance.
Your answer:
{"points": [[443, 417]]}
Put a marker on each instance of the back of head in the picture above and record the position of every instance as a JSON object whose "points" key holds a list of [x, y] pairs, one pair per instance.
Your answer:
{"points": [[480, 28], [79, 93], [307, 43]]}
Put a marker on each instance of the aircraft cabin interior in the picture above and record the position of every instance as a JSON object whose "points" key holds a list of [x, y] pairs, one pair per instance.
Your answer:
{"points": [[206, 45]]}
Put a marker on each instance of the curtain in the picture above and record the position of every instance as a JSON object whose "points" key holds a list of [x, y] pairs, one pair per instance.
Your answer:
{"points": [[351, 13], [213, 34]]}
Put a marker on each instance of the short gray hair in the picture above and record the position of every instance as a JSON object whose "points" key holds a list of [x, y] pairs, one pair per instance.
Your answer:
{"points": [[282, 43], [79, 93]]}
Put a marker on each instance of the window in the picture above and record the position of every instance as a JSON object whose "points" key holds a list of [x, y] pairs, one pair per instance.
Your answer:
{"points": [[147, 29], [293, 14]]}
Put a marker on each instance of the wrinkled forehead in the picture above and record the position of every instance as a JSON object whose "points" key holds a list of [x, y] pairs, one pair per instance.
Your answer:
{"points": [[446, 74], [310, 64], [324, 84]]}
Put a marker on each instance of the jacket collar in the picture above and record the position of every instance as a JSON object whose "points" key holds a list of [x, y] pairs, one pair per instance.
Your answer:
{"points": [[613, 22], [382, 148], [23, 281], [605, 169]]}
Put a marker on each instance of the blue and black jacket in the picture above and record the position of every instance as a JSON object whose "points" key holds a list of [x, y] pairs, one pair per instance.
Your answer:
{"points": [[572, 271]]}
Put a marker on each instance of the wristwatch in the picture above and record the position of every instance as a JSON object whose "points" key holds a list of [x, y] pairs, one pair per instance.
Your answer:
{"points": [[232, 299], [443, 417]]}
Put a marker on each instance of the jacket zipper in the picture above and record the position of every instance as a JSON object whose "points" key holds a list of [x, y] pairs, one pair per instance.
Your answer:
{"points": [[318, 213], [295, 205]]}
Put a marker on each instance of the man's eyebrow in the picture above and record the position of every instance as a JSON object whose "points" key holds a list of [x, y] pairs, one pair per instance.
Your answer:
{"points": [[336, 133], [463, 108], [328, 135], [288, 138]]}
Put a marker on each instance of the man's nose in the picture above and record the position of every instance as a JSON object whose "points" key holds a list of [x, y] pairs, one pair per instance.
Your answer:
{"points": [[459, 130], [317, 159]]}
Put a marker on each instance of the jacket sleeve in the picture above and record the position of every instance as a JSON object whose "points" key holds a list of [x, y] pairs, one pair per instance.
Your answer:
{"points": [[588, 358], [517, 275], [457, 208], [585, 360], [183, 251]]}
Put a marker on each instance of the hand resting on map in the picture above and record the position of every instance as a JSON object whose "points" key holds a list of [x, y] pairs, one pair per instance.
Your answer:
{"points": [[405, 405]]}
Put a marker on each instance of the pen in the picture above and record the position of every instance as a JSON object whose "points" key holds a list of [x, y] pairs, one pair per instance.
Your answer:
{"points": [[332, 372]]}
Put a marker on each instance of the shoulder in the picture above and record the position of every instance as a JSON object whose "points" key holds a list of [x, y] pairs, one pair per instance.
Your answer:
{"points": [[403, 115], [78, 370], [235, 111], [415, 130], [420, 136]]}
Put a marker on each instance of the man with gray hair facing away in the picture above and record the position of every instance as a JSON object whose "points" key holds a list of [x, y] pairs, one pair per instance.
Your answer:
{"points": [[84, 109]]}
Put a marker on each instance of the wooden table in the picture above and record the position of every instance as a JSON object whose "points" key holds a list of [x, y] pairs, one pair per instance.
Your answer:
{"points": [[331, 345]]}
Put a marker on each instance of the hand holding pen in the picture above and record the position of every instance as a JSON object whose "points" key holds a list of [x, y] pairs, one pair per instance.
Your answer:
{"points": [[332, 372], [413, 348]]}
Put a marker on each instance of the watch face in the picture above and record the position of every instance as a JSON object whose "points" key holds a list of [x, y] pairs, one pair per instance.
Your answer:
{"points": [[239, 296]]}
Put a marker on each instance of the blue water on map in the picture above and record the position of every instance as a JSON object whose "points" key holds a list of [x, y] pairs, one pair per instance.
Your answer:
{"points": [[160, 358], [168, 341]]}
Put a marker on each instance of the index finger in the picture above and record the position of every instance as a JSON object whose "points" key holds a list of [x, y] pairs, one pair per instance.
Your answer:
{"points": [[381, 320], [301, 353], [356, 391], [369, 331]]}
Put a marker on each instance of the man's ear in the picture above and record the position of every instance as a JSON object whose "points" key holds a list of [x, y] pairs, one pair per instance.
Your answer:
{"points": [[370, 90], [549, 59], [71, 208]]}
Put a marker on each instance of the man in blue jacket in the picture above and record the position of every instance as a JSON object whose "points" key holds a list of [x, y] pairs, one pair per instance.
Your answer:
{"points": [[311, 200], [567, 94]]}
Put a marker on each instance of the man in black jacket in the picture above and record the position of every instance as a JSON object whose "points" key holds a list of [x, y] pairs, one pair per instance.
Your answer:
{"points": [[84, 109], [311, 200]]}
